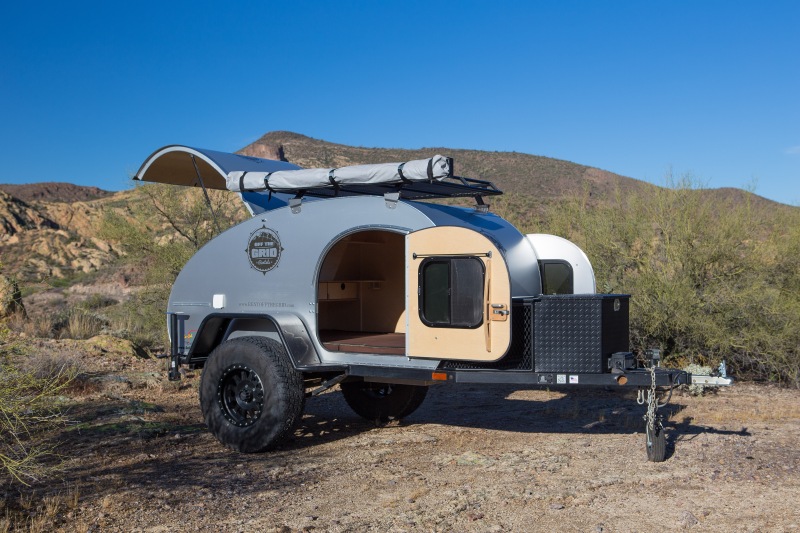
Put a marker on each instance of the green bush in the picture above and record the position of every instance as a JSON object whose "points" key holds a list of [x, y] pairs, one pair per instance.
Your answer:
{"points": [[26, 408], [711, 277]]}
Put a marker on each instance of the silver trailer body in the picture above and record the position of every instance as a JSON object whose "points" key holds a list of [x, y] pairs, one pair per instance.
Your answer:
{"points": [[221, 279]]}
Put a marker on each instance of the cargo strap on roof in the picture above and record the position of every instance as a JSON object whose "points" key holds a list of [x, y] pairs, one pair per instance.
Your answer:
{"points": [[432, 169]]}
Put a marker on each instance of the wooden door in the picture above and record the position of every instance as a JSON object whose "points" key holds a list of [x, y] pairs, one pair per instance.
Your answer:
{"points": [[458, 295]]}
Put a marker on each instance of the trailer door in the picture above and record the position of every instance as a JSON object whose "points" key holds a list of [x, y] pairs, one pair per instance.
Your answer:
{"points": [[458, 296]]}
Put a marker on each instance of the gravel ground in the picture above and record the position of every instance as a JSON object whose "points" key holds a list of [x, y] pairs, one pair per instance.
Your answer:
{"points": [[138, 458]]}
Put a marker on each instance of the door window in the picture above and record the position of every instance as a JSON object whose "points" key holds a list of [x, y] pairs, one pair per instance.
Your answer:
{"points": [[452, 292], [556, 277]]}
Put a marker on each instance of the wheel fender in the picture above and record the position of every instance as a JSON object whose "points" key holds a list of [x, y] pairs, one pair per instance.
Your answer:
{"points": [[285, 328]]}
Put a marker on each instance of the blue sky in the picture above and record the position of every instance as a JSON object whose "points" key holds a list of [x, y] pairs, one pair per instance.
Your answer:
{"points": [[707, 88]]}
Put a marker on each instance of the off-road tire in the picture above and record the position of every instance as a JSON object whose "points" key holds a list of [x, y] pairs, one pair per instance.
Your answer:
{"points": [[656, 443], [250, 394], [383, 401]]}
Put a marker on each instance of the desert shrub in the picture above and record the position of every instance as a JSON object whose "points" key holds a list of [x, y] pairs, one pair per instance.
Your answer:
{"points": [[97, 301], [142, 319], [697, 389], [83, 324], [42, 364], [26, 408], [72, 323], [161, 228], [711, 278]]}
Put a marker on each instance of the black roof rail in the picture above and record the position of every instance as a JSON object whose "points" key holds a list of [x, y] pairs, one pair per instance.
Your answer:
{"points": [[451, 187]]}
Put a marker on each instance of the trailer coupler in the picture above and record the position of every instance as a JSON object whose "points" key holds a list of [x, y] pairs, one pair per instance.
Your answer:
{"points": [[717, 381], [719, 378]]}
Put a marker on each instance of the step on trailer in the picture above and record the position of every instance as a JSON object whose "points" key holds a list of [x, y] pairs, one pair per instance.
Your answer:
{"points": [[349, 277]]}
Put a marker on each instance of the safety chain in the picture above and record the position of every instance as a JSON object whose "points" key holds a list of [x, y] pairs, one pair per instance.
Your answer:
{"points": [[649, 398]]}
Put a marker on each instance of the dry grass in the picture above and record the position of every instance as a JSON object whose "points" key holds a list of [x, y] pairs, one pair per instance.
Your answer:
{"points": [[34, 326], [43, 364], [82, 324], [715, 410], [76, 323], [32, 513]]}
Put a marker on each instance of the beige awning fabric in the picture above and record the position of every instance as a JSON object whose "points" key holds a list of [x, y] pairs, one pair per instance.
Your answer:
{"points": [[181, 165]]}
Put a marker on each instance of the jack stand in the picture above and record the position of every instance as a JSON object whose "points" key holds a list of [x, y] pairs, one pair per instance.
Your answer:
{"points": [[655, 439], [174, 364], [173, 374]]}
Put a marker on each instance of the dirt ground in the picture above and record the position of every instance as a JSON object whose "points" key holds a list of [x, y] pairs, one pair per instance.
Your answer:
{"points": [[137, 457]]}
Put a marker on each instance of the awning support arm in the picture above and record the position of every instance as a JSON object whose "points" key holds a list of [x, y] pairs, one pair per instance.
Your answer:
{"points": [[205, 193]]}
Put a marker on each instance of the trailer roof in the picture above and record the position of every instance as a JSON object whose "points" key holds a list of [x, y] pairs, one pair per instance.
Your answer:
{"points": [[183, 165]]}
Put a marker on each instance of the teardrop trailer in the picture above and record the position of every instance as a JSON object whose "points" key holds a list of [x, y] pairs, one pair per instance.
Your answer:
{"points": [[350, 277]]}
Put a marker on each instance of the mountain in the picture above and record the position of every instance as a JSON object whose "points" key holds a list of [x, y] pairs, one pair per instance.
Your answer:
{"points": [[54, 192], [17, 216], [512, 172], [537, 179]]}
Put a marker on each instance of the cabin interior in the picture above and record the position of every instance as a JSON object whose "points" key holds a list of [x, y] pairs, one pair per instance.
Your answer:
{"points": [[361, 294]]}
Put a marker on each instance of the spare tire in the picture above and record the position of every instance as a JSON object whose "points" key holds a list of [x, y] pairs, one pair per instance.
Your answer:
{"points": [[383, 401]]}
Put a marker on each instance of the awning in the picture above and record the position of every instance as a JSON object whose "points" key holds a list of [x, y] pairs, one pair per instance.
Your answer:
{"points": [[181, 165]]}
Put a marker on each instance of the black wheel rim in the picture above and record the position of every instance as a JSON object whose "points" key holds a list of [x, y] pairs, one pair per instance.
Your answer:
{"points": [[240, 395]]}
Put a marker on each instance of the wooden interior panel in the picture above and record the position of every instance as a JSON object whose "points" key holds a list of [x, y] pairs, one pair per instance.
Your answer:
{"points": [[342, 315], [384, 301], [375, 261], [359, 342]]}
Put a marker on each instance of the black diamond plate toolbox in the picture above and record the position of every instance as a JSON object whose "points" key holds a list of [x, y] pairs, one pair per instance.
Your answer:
{"points": [[578, 333]]}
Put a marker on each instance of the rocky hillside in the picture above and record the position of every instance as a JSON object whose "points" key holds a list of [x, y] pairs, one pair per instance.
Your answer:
{"points": [[17, 216], [49, 230], [44, 240]]}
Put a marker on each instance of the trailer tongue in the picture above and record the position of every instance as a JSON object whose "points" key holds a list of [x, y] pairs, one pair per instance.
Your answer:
{"points": [[344, 277]]}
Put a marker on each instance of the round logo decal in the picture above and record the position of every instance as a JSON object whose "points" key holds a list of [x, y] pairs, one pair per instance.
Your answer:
{"points": [[264, 249]]}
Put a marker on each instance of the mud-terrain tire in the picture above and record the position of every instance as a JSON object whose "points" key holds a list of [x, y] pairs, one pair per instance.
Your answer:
{"points": [[383, 401], [656, 443], [250, 394]]}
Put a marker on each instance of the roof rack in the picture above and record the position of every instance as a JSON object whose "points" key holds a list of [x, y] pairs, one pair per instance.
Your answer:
{"points": [[451, 187]]}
